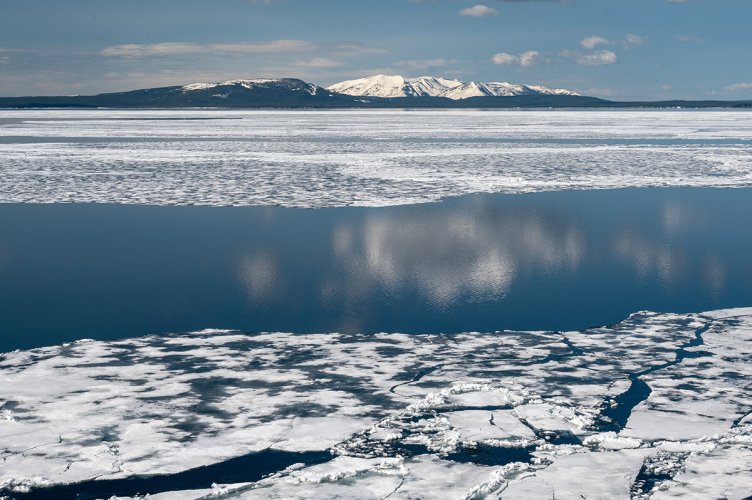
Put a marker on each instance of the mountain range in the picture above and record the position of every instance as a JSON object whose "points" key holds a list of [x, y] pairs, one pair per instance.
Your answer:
{"points": [[379, 91], [431, 86]]}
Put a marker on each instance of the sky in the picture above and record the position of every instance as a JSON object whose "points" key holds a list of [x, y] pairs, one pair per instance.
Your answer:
{"points": [[616, 49]]}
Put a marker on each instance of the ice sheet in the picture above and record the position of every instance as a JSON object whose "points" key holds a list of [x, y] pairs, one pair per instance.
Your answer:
{"points": [[465, 415], [366, 158]]}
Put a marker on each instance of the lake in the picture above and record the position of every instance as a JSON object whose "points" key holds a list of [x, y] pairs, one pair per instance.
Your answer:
{"points": [[545, 261], [540, 303]]}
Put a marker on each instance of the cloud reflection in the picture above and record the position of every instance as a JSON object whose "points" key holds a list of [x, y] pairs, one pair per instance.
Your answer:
{"points": [[259, 274], [661, 251], [457, 254]]}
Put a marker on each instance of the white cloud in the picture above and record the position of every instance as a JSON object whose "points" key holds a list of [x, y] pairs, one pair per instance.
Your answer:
{"points": [[629, 40], [350, 48], [593, 41], [504, 58], [529, 58], [737, 87], [178, 48], [479, 11], [597, 58], [632, 40], [666, 87], [133, 50]]}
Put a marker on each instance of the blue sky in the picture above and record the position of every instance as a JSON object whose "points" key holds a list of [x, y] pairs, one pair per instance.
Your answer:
{"points": [[620, 49]]}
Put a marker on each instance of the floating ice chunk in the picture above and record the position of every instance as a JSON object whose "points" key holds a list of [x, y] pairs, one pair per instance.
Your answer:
{"points": [[476, 399], [654, 425], [527, 488], [722, 473], [611, 441], [551, 417], [480, 425], [587, 475], [319, 432]]}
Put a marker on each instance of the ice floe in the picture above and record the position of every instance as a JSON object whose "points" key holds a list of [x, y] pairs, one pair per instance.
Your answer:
{"points": [[373, 158], [471, 415]]}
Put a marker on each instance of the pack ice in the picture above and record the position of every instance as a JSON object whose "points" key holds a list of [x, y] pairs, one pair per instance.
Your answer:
{"points": [[365, 158], [657, 406]]}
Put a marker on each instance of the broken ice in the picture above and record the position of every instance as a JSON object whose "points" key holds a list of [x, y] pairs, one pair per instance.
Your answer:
{"points": [[504, 414], [373, 158]]}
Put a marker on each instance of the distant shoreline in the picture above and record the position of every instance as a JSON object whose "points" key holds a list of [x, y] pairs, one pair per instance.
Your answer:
{"points": [[733, 105], [296, 94]]}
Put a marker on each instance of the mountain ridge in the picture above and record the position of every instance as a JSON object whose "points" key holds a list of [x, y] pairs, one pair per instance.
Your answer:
{"points": [[393, 86], [293, 93]]}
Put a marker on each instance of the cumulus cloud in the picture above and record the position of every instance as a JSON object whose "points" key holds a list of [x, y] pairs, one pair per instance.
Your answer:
{"points": [[597, 58], [479, 11], [593, 41], [527, 58], [503, 58]]}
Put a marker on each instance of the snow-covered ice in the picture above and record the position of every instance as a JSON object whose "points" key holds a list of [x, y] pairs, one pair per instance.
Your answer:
{"points": [[504, 414], [365, 158]]}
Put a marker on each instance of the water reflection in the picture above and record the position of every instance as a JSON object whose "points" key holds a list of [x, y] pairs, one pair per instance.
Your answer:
{"points": [[564, 260], [259, 273], [462, 255], [678, 217], [660, 252], [648, 258]]}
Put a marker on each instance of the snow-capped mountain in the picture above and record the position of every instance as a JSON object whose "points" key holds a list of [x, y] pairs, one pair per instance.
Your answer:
{"points": [[397, 86], [292, 84], [375, 92]]}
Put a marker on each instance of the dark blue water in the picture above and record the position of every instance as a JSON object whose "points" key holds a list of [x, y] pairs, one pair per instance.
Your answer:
{"points": [[564, 260]]}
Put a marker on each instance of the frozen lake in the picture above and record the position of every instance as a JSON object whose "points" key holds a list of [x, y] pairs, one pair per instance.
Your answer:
{"points": [[365, 158], [466, 314], [655, 406]]}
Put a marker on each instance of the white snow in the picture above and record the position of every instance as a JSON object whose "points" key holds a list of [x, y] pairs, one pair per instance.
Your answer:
{"points": [[96, 409], [248, 84], [430, 86], [364, 158]]}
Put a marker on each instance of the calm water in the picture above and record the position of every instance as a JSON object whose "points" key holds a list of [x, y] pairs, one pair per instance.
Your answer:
{"points": [[563, 260]]}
